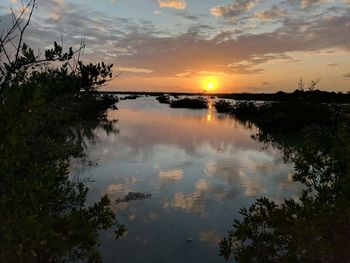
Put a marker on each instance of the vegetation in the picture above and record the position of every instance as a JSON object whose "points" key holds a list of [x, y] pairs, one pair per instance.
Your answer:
{"points": [[163, 99], [130, 97], [223, 106], [48, 105], [312, 95], [289, 117], [191, 103], [315, 227]]}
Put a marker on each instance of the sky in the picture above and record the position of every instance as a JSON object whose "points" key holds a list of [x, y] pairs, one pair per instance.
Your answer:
{"points": [[202, 45]]}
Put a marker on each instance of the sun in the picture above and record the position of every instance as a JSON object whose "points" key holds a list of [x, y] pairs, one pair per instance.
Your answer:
{"points": [[210, 83]]}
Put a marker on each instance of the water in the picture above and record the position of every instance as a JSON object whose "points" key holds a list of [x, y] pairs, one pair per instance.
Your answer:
{"points": [[201, 168]]}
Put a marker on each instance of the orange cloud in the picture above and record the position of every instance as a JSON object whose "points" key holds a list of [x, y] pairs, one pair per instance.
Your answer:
{"points": [[177, 4], [234, 9]]}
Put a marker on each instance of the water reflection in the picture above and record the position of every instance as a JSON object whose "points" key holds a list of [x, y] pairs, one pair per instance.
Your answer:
{"points": [[200, 167], [171, 175], [210, 236], [210, 112]]}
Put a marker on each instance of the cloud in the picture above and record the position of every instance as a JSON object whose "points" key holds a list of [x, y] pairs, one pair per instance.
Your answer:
{"points": [[235, 9], [195, 202], [270, 14], [184, 14], [210, 236], [305, 4], [135, 70], [347, 75], [138, 47], [241, 54], [177, 4], [190, 203], [248, 66], [171, 175], [60, 2], [183, 74]]}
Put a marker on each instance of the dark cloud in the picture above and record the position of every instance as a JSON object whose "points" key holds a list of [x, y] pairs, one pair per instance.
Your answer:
{"points": [[169, 55]]}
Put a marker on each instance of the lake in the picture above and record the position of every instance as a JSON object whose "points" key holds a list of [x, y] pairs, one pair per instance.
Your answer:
{"points": [[201, 168]]}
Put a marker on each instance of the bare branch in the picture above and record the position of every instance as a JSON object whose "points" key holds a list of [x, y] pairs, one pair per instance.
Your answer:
{"points": [[32, 4], [9, 37], [301, 84], [313, 84]]}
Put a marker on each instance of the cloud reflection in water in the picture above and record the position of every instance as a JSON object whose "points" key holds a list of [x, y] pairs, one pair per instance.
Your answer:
{"points": [[201, 170]]}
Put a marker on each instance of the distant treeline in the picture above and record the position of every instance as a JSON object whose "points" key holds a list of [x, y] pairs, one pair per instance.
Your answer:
{"points": [[316, 95]]}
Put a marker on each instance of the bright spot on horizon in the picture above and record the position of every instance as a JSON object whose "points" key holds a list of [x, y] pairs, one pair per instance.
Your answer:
{"points": [[210, 83]]}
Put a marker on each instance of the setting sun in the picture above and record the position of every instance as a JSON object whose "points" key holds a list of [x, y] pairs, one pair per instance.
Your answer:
{"points": [[210, 83]]}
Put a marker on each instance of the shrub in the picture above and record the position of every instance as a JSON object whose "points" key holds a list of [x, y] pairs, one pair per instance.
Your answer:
{"points": [[191, 103]]}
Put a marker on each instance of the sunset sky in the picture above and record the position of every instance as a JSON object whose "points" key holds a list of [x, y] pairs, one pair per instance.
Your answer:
{"points": [[169, 45]]}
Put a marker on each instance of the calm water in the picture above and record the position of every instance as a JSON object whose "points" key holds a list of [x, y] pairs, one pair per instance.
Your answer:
{"points": [[201, 168]]}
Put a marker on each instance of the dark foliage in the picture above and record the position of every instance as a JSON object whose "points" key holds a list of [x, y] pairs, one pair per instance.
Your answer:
{"points": [[280, 96], [130, 97], [190, 103], [223, 106], [287, 117], [46, 112], [316, 227], [310, 95], [163, 99]]}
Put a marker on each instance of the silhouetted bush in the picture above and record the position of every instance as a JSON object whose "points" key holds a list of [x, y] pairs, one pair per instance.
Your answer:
{"points": [[163, 99], [191, 103], [130, 97], [223, 106], [288, 116], [309, 95], [49, 106], [314, 227]]}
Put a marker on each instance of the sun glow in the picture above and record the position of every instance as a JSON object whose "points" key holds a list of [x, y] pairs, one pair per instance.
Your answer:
{"points": [[210, 84]]}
